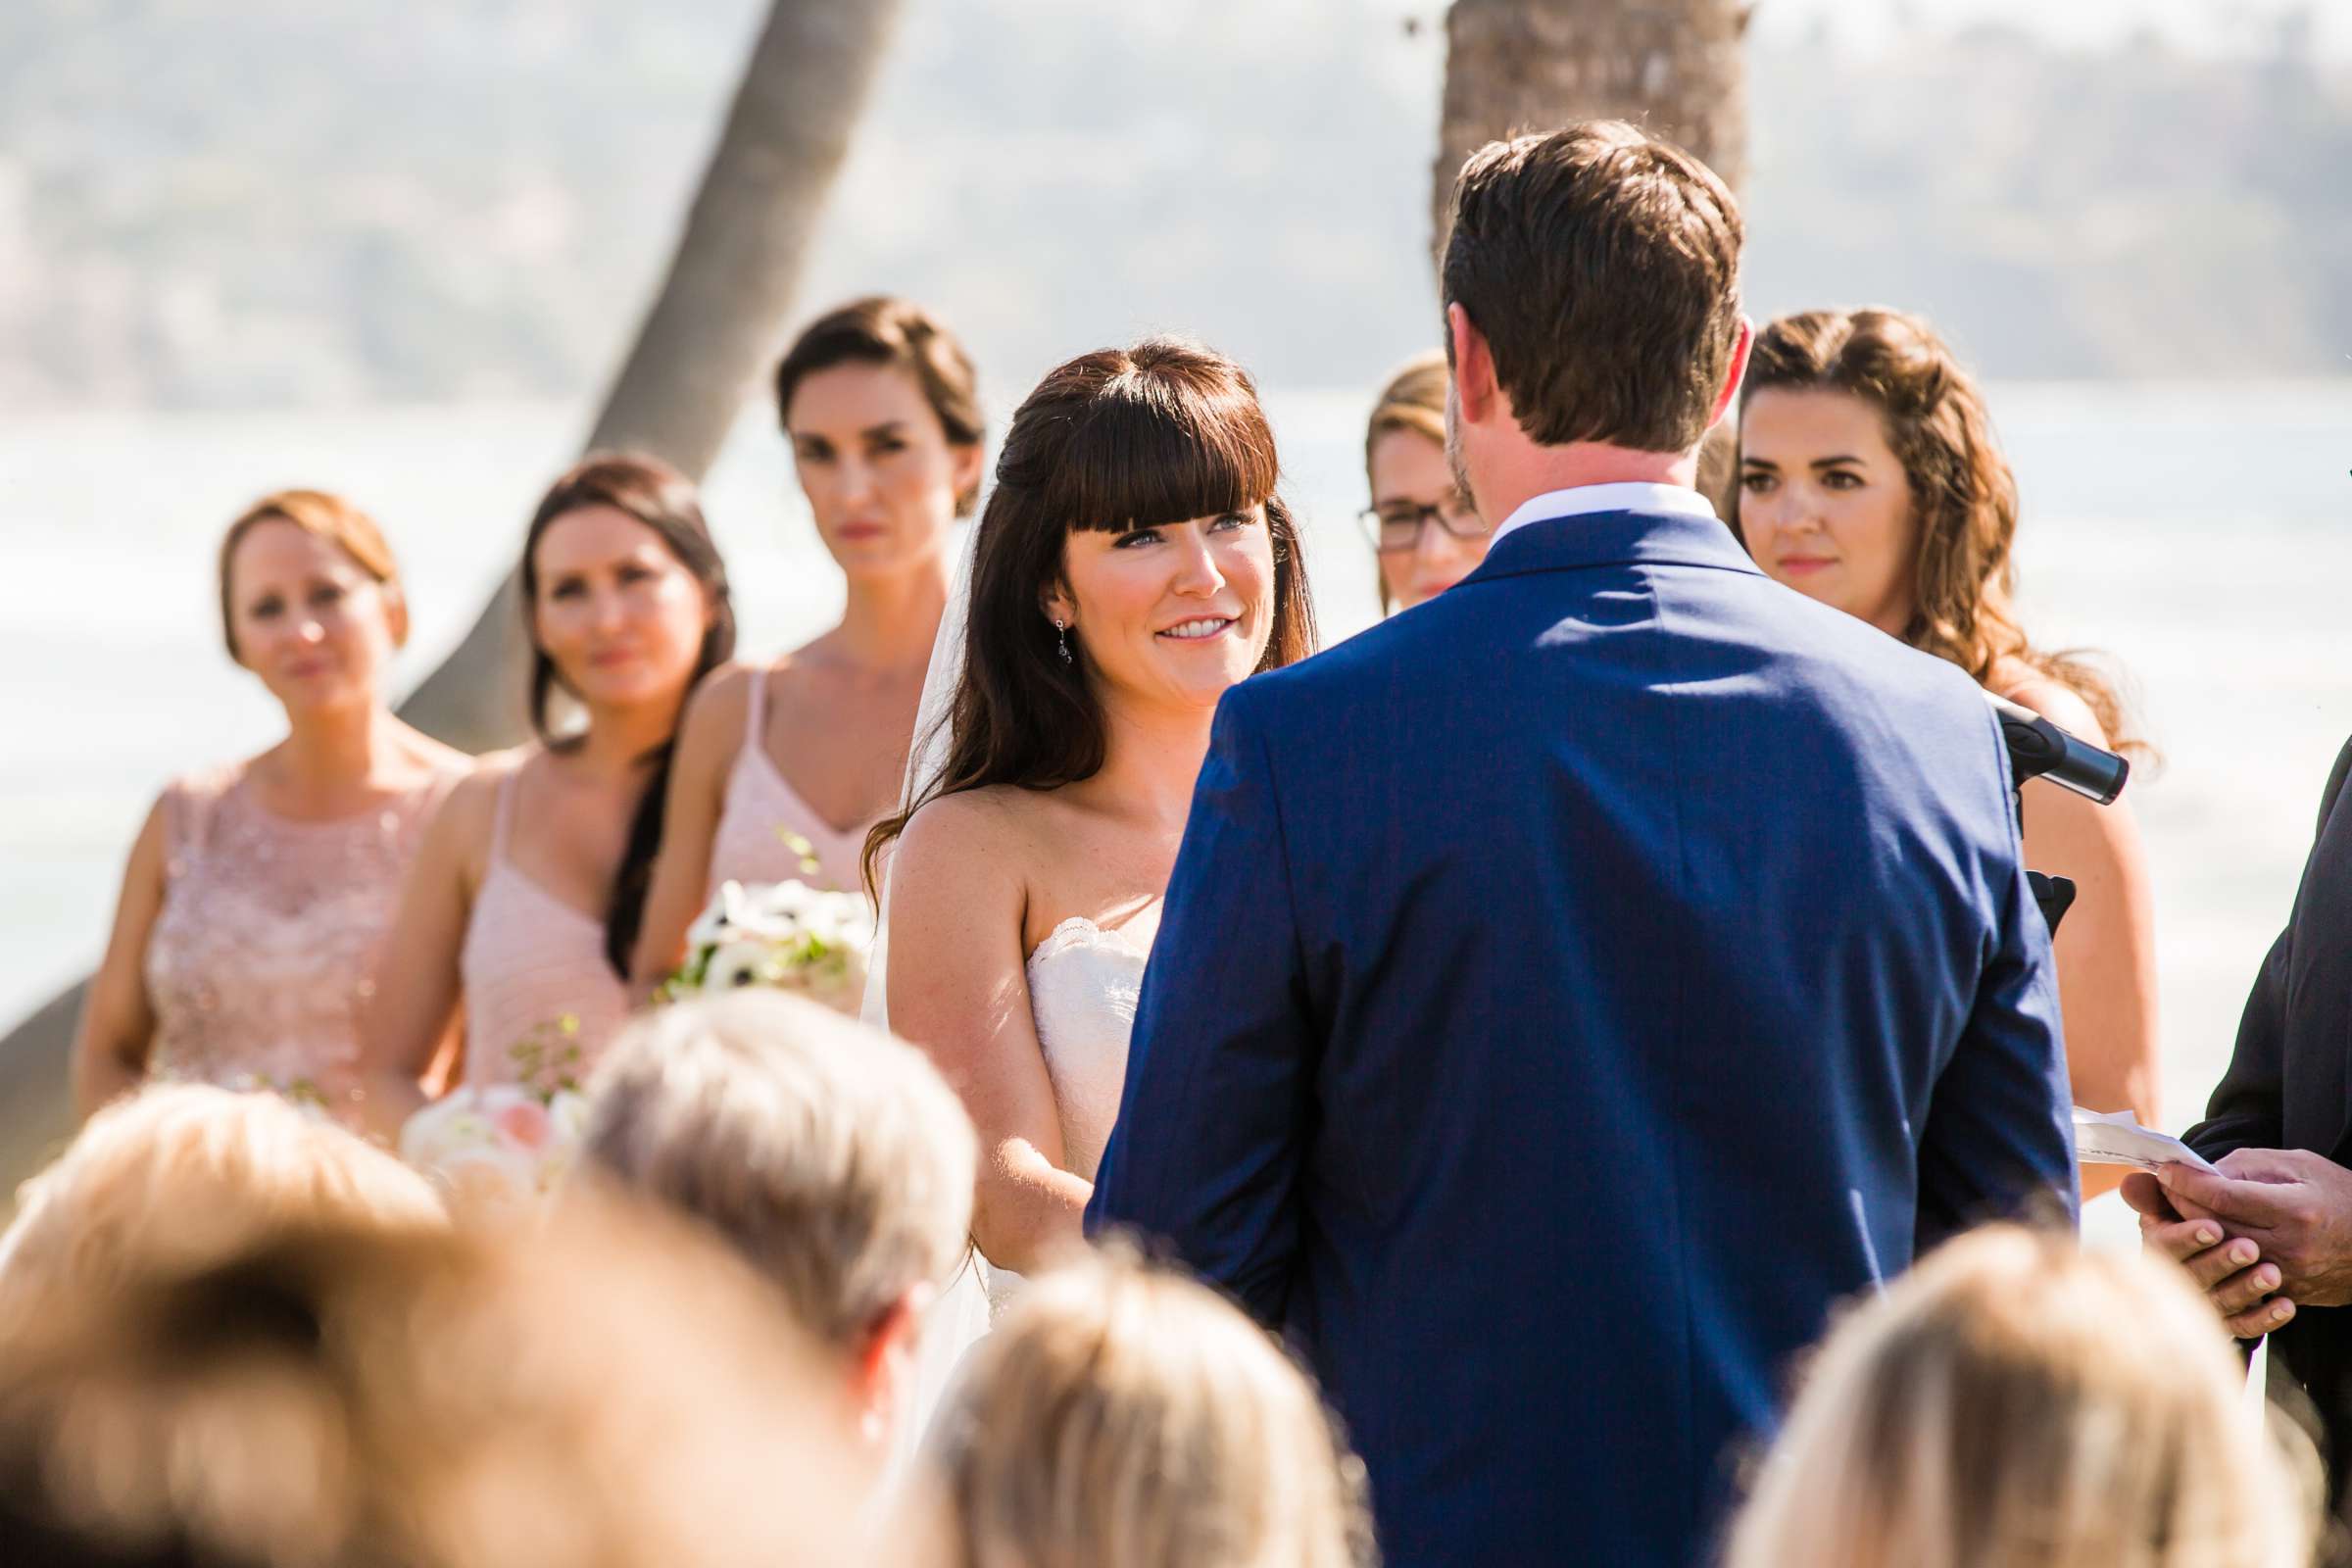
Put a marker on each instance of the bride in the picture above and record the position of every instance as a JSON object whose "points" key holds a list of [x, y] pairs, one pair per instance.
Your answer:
{"points": [[1132, 564]]}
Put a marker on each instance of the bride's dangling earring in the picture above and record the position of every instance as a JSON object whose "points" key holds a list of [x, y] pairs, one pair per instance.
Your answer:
{"points": [[1061, 632]]}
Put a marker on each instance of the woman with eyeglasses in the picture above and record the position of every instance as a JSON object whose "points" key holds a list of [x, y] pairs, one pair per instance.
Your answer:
{"points": [[1425, 533]]}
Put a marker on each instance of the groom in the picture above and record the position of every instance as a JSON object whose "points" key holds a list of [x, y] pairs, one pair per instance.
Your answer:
{"points": [[1572, 987]]}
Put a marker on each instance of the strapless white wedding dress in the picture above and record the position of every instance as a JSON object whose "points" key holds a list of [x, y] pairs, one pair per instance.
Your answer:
{"points": [[1083, 983]]}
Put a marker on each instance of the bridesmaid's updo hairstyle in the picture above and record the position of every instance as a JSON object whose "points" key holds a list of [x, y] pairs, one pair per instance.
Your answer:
{"points": [[322, 517], [1114, 440], [665, 500], [1940, 429], [884, 330]]}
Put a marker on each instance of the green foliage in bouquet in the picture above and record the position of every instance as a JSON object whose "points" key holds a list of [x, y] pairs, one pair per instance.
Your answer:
{"points": [[548, 1060]]}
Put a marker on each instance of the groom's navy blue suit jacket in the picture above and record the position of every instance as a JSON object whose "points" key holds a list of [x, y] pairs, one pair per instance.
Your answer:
{"points": [[1570, 989]]}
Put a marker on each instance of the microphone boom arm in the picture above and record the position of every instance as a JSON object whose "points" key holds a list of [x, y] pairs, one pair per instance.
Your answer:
{"points": [[2040, 749]]}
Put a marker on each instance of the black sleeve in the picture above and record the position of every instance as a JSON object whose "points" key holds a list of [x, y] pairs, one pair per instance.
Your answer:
{"points": [[2247, 1109]]}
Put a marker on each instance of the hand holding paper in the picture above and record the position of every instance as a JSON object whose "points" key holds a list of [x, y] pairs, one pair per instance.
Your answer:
{"points": [[2116, 1138]]}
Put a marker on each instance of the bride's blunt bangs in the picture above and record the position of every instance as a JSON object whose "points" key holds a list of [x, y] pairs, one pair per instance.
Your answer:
{"points": [[1145, 437], [1150, 449]]}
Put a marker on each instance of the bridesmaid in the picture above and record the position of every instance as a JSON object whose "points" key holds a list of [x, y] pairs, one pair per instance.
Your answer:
{"points": [[1425, 534], [258, 892], [1870, 480], [527, 893], [782, 769]]}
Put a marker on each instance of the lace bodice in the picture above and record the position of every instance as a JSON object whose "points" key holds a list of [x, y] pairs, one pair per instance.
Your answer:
{"points": [[1082, 981], [541, 999], [762, 815], [263, 950]]}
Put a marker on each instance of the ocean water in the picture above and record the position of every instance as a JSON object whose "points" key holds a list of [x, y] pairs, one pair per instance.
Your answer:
{"points": [[2201, 536]]}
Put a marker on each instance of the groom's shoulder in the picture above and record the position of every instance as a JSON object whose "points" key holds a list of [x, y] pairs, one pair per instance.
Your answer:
{"points": [[1357, 663]]}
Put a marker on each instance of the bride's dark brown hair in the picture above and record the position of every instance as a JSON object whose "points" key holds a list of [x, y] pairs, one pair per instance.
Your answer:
{"points": [[1964, 580], [1144, 437]]}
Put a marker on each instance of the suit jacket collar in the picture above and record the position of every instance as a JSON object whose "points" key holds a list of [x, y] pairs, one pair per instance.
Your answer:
{"points": [[1614, 539]]}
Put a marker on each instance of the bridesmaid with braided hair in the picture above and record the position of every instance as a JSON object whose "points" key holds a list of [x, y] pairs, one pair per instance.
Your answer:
{"points": [[1870, 479]]}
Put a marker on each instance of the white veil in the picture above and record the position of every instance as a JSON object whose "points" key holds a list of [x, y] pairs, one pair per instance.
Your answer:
{"points": [[927, 759], [959, 1317]]}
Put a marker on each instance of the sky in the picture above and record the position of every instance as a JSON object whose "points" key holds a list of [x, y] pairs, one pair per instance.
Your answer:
{"points": [[2222, 26]]}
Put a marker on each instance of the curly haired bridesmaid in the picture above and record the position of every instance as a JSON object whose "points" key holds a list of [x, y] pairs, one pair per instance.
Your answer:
{"points": [[1870, 480]]}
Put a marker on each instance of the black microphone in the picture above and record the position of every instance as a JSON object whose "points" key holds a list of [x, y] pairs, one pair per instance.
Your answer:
{"points": [[2040, 749]]}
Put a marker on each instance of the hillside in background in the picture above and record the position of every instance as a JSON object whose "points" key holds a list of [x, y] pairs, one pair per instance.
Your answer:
{"points": [[266, 203]]}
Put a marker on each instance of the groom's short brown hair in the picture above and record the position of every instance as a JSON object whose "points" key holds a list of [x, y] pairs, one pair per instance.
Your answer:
{"points": [[1602, 268]]}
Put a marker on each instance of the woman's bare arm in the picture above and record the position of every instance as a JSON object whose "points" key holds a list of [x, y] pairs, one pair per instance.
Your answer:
{"points": [[2106, 946], [709, 737], [117, 1019], [418, 987], [958, 988]]}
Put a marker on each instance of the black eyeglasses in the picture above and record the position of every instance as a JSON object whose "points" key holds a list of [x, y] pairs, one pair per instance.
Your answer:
{"points": [[1395, 528]]}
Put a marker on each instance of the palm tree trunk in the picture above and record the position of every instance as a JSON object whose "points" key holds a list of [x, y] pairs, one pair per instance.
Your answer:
{"points": [[720, 319], [716, 324], [37, 1101], [1676, 67]]}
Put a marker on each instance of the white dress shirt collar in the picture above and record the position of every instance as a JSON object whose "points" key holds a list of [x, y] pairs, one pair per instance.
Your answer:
{"points": [[1582, 499]]}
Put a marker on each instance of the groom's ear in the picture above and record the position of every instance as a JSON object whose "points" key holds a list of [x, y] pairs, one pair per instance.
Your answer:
{"points": [[1735, 374], [1475, 389]]}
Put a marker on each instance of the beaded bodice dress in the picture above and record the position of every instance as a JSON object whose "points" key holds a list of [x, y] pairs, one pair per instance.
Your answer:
{"points": [[264, 952]]}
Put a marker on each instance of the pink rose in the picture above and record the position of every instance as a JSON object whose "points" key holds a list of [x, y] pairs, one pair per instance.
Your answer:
{"points": [[523, 1124]]}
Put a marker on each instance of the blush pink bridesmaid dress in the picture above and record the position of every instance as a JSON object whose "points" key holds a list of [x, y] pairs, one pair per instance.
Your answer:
{"points": [[263, 950]]}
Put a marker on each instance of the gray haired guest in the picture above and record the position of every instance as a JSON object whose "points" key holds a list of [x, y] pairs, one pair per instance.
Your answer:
{"points": [[831, 1156]]}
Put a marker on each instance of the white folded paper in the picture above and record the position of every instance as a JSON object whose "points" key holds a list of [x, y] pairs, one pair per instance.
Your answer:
{"points": [[2116, 1138]]}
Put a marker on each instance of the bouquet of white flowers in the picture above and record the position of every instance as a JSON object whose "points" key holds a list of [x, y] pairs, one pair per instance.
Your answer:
{"points": [[502, 1141], [787, 935]]}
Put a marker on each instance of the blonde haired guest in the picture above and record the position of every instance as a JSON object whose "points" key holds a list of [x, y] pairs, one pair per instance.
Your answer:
{"points": [[341, 1392], [181, 1175], [258, 890], [1124, 1415], [832, 1157], [1426, 534], [2017, 1402]]}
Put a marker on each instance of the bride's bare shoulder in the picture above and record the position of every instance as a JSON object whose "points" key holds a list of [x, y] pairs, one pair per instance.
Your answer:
{"points": [[982, 825]]}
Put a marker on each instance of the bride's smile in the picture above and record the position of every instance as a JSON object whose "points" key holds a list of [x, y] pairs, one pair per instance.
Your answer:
{"points": [[1202, 628], [1174, 613]]}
